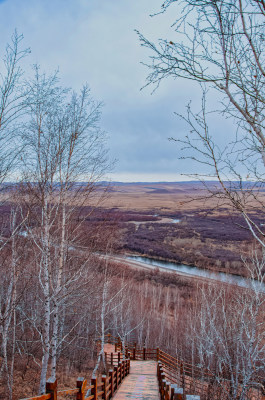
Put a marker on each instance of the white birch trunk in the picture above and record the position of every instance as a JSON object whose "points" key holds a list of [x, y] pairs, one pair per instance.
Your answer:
{"points": [[101, 355], [54, 339], [14, 296], [7, 315], [46, 290]]}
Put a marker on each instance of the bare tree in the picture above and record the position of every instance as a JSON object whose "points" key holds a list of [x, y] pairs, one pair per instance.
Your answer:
{"points": [[228, 330], [10, 254], [63, 147], [126, 314], [12, 109], [12, 104], [220, 46], [110, 297]]}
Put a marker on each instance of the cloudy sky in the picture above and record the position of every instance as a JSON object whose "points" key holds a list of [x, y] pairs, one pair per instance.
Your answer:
{"points": [[94, 41]]}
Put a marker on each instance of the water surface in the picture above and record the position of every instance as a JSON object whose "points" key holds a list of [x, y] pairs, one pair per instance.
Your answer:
{"points": [[195, 271]]}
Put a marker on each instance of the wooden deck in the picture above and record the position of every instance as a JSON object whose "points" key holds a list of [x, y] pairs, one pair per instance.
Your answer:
{"points": [[141, 383]]}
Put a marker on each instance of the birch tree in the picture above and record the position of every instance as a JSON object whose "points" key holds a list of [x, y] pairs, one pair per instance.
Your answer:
{"points": [[12, 105], [12, 109], [10, 266], [64, 146], [110, 297], [219, 45], [228, 332]]}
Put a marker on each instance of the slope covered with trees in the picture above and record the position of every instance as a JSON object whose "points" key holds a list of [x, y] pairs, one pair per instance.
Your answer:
{"points": [[60, 290]]}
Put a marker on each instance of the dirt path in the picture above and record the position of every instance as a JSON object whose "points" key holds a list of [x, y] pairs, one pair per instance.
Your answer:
{"points": [[141, 383]]}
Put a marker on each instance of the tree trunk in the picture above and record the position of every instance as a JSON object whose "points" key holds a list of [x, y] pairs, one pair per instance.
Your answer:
{"points": [[54, 340], [47, 311]]}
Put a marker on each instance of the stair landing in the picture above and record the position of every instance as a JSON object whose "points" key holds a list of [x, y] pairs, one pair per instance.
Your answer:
{"points": [[141, 383]]}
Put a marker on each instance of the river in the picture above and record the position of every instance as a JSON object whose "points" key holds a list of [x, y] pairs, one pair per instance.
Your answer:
{"points": [[198, 272]]}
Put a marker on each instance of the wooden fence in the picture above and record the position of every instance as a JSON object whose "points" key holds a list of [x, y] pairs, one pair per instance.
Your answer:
{"points": [[168, 390], [102, 387], [176, 378], [183, 377]]}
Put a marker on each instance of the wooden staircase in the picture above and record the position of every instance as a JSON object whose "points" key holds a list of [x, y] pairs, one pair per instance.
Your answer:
{"points": [[143, 373]]}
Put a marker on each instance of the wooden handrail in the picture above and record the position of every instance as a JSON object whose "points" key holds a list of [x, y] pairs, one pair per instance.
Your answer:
{"points": [[171, 371], [40, 397], [104, 389]]}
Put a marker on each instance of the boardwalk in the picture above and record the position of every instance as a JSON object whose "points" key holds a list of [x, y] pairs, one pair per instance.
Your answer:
{"points": [[141, 383]]}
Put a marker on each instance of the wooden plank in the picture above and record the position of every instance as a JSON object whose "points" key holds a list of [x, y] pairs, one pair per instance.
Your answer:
{"points": [[141, 383], [40, 397], [68, 391]]}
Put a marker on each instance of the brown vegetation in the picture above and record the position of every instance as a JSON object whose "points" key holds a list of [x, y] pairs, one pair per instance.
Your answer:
{"points": [[205, 235]]}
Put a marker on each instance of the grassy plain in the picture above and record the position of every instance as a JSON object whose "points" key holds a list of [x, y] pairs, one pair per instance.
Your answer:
{"points": [[160, 197]]}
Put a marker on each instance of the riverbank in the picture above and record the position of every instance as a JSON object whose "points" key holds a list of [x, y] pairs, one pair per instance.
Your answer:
{"points": [[185, 271]]}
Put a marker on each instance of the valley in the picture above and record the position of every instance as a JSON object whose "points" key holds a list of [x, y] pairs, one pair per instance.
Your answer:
{"points": [[179, 222]]}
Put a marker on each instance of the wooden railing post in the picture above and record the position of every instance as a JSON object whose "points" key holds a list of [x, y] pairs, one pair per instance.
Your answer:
{"points": [[116, 370], [81, 385], [159, 375], [115, 347], [164, 382], [172, 392], [176, 393], [122, 372], [144, 353], [134, 353], [157, 354], [104, 387], [168, 391], [108, 335], [182, 372], [111, 358], [111, 375], [118, 375], [51, 387], [94, 390], [123, 369], [120, 369], [119, 357]]}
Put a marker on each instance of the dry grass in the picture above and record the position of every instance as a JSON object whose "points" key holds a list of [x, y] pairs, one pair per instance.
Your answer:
{"points": [[169, 197]]}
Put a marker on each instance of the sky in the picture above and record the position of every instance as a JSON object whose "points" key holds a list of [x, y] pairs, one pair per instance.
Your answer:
{"points": [[95, 42]]}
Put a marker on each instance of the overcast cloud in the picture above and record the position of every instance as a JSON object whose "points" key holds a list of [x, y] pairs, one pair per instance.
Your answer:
{"points": [[94, 41]]}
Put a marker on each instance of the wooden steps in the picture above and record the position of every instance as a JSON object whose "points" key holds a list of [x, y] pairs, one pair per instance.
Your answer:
{"points": [[141, 383]]}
